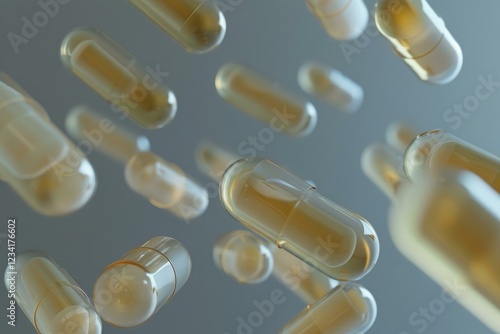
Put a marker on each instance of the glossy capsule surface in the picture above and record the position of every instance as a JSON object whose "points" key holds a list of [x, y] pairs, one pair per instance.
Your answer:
{"points": [[290, 213], [259, 97], [131, 290], [197, 25], [119, 78], [37, 160], [213, 160], [420, 38], [399, 135], [50, 298]]}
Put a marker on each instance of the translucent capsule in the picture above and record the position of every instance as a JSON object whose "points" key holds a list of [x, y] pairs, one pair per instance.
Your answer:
{"points": [[130, 291], [331, 86], [198, 25], [448, 225], [94, 131], [166, 185], [347, 309], [256, 95], [290, 213], [436, 149], [37, 160], [50, 298], [119, 78], [342, 19], [244, 257], [399, 136], [213, 160], [420, 38]]}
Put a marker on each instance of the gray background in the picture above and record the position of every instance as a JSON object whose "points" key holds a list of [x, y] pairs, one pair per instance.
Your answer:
{"points": [[276, 37]]}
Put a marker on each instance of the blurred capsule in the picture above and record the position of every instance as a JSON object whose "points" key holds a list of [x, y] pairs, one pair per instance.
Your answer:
{"points": [[117, 76], [131, 290], [256, 95], [399, 135], [166, 185], [213, 160], [420, 38]]}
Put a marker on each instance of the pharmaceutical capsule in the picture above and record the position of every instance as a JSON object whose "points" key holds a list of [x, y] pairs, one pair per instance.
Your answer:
{"points": [[347, 309], [436, 149], [37, 160], [94, 131], [420, 38], [130, 291], [50, 298], [448, 225], [119, 78], [331, 86], [399, 135], [244, 257], [290, 213], [198, 25], [342, 19], [166, 185], [213, 160], [256, 95]]}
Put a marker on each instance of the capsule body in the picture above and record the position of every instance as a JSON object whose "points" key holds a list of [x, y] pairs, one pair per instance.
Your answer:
{"points": [[332, 86], [37, 160], [399, 135], [290, 213], [347, 309], [420, 38], [166, 185], [213, 160], [50, 298], [254, 94], [449, 227], [119, 78]]}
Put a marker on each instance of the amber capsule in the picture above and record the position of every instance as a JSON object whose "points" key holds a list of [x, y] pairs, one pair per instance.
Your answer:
{"points": [[213, 159], [399, 135]]}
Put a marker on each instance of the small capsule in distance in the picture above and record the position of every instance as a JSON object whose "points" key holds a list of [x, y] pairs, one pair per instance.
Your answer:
{"points": [[331, 86], [37, 160], [131, 290], [254, 94], [50, 298], [198, 25], [342, 19], [420, 38], [290, 213], [166, 185], [213, 160], [93, 130], [244, 257], [347, 309], [399, 135], [118, 77]]}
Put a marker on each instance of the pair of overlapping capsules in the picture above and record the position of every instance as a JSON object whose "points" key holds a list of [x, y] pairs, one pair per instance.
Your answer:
{"points": [[445, 212]]}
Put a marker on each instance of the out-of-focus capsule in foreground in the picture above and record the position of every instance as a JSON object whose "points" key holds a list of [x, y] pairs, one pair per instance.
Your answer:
{"points": [[118, 77], [166, 185], [342, 19], [256, 95], [213, 160], [420, 38], [290, 213], [130, 291], [347, 309], [449, 226], [50, 298], [331, 86], [399, 135], [244, 257], [198, 25]]}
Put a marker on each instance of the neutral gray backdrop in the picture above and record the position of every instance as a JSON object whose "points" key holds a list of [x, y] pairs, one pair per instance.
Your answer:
{"points": [[276, 37]]}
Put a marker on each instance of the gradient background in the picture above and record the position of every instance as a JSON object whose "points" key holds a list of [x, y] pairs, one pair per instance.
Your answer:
{"points": [[275, 37]]}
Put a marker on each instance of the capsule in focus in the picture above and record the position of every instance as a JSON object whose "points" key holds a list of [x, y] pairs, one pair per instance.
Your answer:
{"points": [[347, 309], [254, 94], [37, 160], [95, 131], [244, 257], [50, 298], [420, 38], [119, 78], [399, 135], [213, 160], [290, 213], [332, 86], [198, 25], [131, 290], [166, 185], [342, 19]]}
